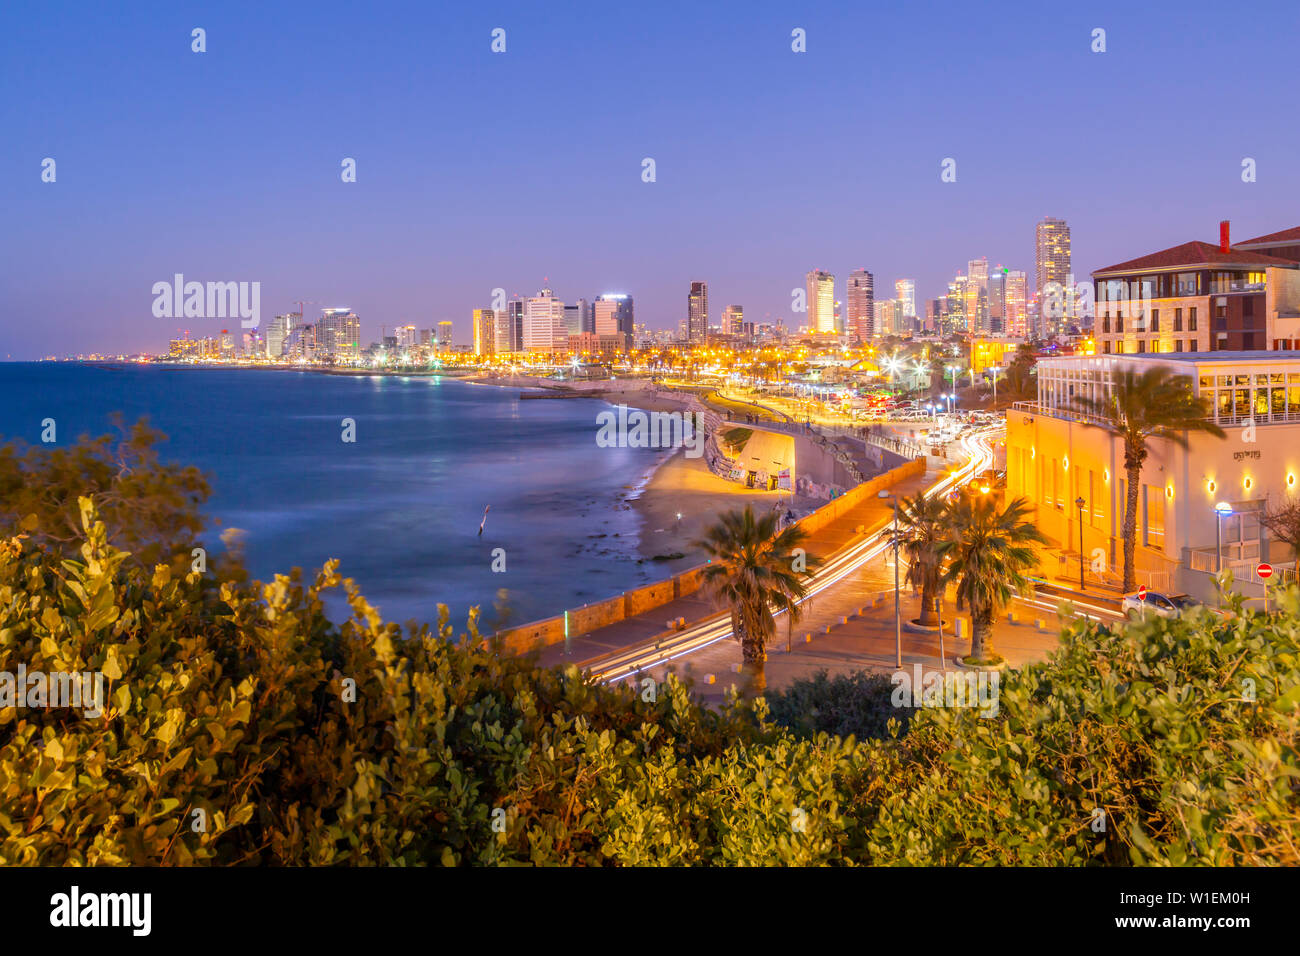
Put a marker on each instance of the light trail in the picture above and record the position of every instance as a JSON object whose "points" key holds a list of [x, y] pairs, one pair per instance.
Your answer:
{"points": [[618, 665]]}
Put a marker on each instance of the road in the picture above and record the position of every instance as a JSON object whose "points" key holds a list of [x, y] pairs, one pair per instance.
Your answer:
{"points": [[842, 565]]}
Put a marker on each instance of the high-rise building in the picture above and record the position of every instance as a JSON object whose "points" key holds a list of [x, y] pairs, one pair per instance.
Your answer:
{"points": [[955, 317], [1052, 265], [1015, 309], [859, 303], [484, 322], [278, 330], [407, 336], [821, 301], [338, 334], [543, 323], [905, 293], [509, 331], [997, 301], [887, 317], [697, 312], [444, 336], [578, 318], [977, 294], [612, 315], [733, 320]]}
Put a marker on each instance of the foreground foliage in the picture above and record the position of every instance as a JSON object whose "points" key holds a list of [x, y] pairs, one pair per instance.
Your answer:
{"points": [[233, 698]]}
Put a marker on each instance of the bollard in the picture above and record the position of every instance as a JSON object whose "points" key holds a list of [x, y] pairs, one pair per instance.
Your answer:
{"points": [[807, 638], [961, 628], [1040, 624], [1012, 617], [828, 628], [711, 679], [844, 619]]}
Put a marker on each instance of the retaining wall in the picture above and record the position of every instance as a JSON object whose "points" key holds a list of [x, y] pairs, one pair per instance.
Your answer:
{"points": [[592, 617]]}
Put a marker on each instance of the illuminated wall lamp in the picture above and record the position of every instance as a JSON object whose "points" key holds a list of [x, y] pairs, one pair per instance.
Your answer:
{"points": [[1065, 464], [1105, 474], [1247, 483], [1290, 479], [1210, 486], [1169, 491]]}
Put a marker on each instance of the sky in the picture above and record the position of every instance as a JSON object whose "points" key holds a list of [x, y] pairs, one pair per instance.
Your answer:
{"points": [[478, 170]]}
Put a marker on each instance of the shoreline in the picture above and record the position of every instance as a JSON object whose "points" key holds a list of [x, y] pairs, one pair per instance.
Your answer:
{"points": [[671, 485]]}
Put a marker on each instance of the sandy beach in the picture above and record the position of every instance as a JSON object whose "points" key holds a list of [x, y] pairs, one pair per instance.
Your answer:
{"points": [[685, 486]]}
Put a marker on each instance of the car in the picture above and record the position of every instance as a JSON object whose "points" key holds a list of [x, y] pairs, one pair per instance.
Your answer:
{"points": [[1162, 605]]}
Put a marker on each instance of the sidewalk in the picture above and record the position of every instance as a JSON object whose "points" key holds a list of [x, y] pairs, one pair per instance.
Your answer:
{"points": [[865, 642], [872, 513]]}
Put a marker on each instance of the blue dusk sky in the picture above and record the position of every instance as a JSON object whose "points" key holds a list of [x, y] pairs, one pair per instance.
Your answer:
{"points": [[478, 170]]}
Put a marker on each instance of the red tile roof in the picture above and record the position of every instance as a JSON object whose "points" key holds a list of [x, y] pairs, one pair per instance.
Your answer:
{"points": [[1194, 254], [1285, 237]]}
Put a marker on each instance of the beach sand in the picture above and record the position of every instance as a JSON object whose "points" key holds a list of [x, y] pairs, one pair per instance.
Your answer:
{"points": [[685, 486]]}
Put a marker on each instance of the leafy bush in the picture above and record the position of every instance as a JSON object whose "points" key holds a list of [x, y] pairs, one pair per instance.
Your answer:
{"points": [[304, 741], [855, 704], [150, 509]]}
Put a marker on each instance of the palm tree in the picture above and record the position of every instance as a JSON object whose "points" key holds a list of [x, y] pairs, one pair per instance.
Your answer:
{"points": [[756, 568], [1155, 404], [987, 554], [923, 527]]}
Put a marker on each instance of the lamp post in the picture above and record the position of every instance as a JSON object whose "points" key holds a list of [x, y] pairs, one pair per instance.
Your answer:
{"points": [[1079, 503], [1221, 510], [995, 369], [898, 610]]}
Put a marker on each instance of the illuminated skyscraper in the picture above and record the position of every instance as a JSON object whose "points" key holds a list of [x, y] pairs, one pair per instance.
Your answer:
{"points": [[484, 322], [977, 293], [544, 323], [905, 293], [733, 320], [510, 327], [407, 336], [278, 330], [859, 305], [697, 312], [821, 301], [1015, 307], [444, 336], [612, 314], [1052, 264], [338, 334]]}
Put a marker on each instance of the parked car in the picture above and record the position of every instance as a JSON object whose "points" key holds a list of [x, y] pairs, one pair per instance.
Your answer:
{"points": [[1162, 605]]}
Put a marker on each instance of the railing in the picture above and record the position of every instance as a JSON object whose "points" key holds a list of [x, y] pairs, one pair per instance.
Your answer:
{"points": [[1065, 414]]}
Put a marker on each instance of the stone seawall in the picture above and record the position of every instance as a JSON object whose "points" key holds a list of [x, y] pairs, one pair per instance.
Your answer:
{"points": [[592, 617]]}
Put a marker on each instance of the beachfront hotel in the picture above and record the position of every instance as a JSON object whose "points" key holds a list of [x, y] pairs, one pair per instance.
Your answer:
{"points": [[1199, 506]]}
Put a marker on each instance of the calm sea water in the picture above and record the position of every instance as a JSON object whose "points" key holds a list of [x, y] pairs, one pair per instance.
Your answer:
{"points": [[401, 506]]}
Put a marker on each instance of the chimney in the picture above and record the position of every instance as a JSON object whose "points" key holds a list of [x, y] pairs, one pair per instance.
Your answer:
{"points": [[1224, 244]]}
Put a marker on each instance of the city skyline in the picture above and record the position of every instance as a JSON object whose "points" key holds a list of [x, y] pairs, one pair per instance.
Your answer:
{"points": [[203, 178]]}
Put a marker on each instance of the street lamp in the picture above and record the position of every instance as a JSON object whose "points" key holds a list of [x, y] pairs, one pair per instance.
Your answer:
{"points": [[1221, 510], [898, 610], [995, 369], [1079, 503]]}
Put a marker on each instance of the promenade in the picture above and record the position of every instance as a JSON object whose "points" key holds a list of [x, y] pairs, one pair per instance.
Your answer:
{"points": [[871, 513]]}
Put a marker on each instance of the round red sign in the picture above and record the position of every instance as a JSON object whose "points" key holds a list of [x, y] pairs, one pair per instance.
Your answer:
{"points": [[1264, 570], [1142, 593]]}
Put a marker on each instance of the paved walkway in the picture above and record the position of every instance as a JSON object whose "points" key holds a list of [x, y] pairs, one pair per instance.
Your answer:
{"points": [[865, 642], [871, 514]]}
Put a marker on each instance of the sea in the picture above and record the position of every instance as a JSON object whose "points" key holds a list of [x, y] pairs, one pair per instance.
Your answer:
{"points": [[401, 506]]}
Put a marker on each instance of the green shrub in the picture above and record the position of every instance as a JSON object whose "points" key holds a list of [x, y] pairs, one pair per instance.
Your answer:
{"points": [[855, 705]]}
